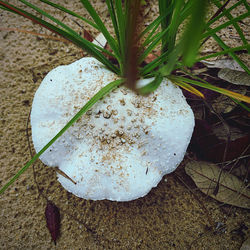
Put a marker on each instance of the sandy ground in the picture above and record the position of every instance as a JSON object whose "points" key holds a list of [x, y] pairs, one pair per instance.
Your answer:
{"points": [[169, 217]]}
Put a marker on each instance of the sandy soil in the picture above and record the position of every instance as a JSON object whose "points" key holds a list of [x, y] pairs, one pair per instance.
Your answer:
{"points": [[169, 217]]}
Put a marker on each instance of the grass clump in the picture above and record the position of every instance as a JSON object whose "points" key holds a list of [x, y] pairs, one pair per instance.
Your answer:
{"points": [[131, 45]]}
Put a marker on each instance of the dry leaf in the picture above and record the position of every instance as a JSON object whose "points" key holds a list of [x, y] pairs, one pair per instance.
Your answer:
{"points": [[151, 57], [209, 147], [235, 76], [223, 64], [100, 40], [231, 190], [52, 215], [230, 71], [87, 36], [246, 245]]}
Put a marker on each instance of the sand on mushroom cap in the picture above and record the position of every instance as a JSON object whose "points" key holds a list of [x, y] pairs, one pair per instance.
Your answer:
{"points": [[119, 149]]}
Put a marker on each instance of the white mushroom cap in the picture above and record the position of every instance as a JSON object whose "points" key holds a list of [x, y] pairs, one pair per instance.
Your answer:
{"points": [[123, 146]]}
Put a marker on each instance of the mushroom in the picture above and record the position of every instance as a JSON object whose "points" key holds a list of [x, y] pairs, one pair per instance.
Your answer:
{"points": [[121, 148]]}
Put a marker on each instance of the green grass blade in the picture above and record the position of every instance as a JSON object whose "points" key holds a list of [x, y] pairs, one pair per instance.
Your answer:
{"points": [[224, 12], [105, 90], [246, 5], [77, 40], [235, 24], [64, 26], [226, 51], [152, 35], [152, 45], [224, 25], [241, 104], [150, 67], [174, 24], [111, 41], [152, 86], [186, 11], [189, 88], [164, 6], [72, 13], [121, 19], [151, 26], [232, 54], [172, 60], [4, 8], [192, 36], [207, 85], [112, 13]]}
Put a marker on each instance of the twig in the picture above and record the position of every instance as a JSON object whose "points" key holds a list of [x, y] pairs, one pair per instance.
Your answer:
{"points": [[35, 34], [236, 159], [216, 190], [31, 154]]}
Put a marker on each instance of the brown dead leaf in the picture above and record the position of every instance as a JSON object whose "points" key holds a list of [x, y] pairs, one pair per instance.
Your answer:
{"points": [[223, 64], [52, 216], [151, 57], [231, 190], [246, 245], [230, 71], [87, 36], [208, 146], [234, 76]]}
